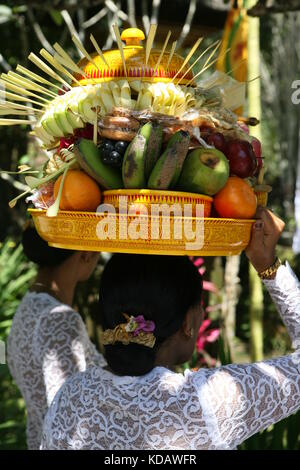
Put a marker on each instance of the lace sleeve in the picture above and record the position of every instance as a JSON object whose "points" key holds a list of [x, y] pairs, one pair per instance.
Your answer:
{"points": [[64, 347], [241, 400], [285, 292], [208, 409], [245, 399]]}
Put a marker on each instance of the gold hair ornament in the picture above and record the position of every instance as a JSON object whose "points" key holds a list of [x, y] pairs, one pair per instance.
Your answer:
{"points": [[135, 330]]}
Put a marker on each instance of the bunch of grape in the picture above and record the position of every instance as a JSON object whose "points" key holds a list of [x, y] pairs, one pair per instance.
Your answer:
{"points": [[112, 152]]}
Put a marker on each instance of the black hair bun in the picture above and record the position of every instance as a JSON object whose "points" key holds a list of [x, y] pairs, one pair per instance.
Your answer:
{"points": [[161, 288], [37, 250], [130, 359]]}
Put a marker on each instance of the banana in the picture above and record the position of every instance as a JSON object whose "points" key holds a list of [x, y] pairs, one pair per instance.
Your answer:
{"points": [[166, 171], [89, 158], [133, 170], [182, 148], [153, 148]]}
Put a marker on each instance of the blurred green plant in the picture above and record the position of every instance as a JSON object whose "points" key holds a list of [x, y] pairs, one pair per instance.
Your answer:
{"points": [[16, 273]]}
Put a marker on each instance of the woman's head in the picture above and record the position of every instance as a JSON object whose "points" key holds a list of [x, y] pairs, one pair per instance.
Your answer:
{"points": [[164, 289], [38, 251]]}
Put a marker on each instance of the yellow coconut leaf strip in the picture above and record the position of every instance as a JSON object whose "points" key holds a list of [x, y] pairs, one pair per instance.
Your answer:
{"points": [[36, 182], [163, 50], [197, 60], [36, 77], [15, 112], [95, 130], [150, 39], [171, 52], [82, 49], [68, 61], [45, 54], [120, 46], [16, 106], [39, 63], [195, 46], [211, 54], [6, 81], [207, 67], [98, 50], [54, 208], [30, 85], [236, 67], [13, 96], [14, 201], [76, 69], [12, 122], [33, 182]]}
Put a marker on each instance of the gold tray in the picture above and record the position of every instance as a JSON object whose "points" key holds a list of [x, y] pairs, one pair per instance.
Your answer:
{"points": [[147, 197], [78, 231]]}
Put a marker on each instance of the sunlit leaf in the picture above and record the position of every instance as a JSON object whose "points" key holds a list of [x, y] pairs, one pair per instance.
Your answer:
{"points": [[57, 17], [5, 14]]}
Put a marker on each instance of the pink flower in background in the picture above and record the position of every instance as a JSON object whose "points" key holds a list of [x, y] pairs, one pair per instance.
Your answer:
{"points": [[199, 263], [206, 335]]}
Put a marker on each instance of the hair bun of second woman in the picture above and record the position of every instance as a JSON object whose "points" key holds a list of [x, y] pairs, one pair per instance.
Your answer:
{"points": [[162, 288], [37, 250]]}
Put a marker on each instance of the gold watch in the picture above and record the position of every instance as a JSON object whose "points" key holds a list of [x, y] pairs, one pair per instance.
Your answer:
{"points": [[269, 272]]}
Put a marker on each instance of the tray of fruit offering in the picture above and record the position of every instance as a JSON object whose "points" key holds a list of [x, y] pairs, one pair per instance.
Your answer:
{"points": [[140, 157]]}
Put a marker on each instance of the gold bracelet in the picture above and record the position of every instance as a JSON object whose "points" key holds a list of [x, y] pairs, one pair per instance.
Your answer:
{"points": [[269, 272]]}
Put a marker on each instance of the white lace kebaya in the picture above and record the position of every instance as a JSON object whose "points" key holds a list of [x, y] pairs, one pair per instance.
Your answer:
{"points": [[47, 344], [208, 409]]}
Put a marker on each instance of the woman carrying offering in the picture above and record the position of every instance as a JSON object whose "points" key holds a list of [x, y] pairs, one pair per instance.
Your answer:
{"points": [[150, 311], [48, 341]]}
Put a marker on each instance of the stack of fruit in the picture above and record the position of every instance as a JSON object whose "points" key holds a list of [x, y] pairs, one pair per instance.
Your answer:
{"points": [[225, 168], [135, 118]]}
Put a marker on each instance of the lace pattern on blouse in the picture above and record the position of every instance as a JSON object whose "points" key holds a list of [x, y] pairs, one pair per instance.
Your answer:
{"points": [[47, 344], [208, 409]]}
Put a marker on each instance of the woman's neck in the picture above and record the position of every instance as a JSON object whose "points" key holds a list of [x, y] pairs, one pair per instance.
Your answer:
{"points": [[56, 282]]}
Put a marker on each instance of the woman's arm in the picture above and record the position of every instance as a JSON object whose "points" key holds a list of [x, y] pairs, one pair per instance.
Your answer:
{"points": [[254, 396], [285, 292], [240, 400], [283, 286]]}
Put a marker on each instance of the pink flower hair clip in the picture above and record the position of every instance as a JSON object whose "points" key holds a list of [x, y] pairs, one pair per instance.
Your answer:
{"points": [[137, 324]]}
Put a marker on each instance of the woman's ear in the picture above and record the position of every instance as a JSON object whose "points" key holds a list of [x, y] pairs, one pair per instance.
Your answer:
{"points": [[188, 324]]}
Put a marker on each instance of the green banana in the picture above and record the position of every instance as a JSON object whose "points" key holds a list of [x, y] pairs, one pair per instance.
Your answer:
{"points": [[153, 148], [89, 158], [133, 169], [167, 169], [182, 148]]}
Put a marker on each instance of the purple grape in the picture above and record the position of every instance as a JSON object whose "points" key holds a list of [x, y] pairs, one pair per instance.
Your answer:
{"points": [[121, 146]]}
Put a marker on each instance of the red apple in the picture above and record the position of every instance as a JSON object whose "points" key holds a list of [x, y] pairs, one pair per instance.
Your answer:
{"points": [[258, 152], [217, 140], [86, 132], [242, 159]]}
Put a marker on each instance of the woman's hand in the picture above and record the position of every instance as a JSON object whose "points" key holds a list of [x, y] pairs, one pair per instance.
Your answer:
{"points": [[265, 235]]}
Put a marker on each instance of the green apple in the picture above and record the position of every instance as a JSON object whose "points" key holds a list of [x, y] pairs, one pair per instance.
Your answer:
{"points": [[204, 171]]}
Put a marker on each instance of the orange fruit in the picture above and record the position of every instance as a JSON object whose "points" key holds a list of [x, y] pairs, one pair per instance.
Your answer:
{"points": [[236, 200], [80, 192]]}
